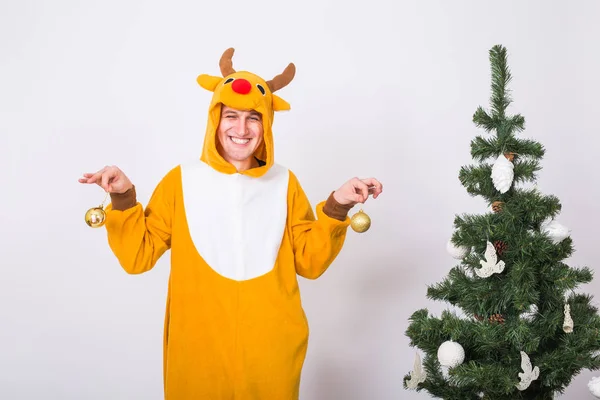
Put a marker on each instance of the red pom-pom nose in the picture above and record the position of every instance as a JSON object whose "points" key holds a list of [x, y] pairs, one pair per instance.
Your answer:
{"points": [[241, 86]]}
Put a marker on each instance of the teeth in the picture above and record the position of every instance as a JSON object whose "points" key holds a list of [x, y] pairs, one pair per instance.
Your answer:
{"points": [[239, 141]]}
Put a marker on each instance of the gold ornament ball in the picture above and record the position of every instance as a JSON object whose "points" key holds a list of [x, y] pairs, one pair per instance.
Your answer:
{"points": [[360, 222], [95, 217]]}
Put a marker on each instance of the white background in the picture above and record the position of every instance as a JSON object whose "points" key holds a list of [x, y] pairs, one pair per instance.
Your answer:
{"points": [[384, 89]]}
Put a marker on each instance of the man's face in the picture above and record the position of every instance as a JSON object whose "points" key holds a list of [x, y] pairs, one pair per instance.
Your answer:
{"points": [[240, 132]]}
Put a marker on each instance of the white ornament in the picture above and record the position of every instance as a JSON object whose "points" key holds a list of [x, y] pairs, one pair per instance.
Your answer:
{"points": [[417, 375], [491, 265], [554, 230], [568, 324], [594, 386], [458, 252], [530, 313], [529, 374], [503, 173], [450, 354]]}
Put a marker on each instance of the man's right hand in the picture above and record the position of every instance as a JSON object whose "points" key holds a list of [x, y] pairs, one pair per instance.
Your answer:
{"points": [[109, 178]]}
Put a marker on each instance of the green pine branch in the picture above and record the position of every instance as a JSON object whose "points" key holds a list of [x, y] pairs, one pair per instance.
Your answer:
{"points": [[573, 352], [563, 278], [521, 285], [527, 209], [437, 385], [477, 179], [473, 295], [506, 126], [500, 382], [501, 77], [485, 148], [530, 208]]}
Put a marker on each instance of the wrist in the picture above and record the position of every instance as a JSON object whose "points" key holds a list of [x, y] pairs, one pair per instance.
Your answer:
{"points": [[125, 200], [341, 201], [128, 188], [334, 209]]}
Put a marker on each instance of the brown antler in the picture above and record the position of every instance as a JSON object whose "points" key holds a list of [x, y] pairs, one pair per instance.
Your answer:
{"points": [[225, 63], [282, 79]]}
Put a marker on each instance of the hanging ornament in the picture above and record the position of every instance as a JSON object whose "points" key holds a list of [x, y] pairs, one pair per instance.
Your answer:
{"points": [[503, 173], [531, 232], [360, 222], [417, 375], [494, 318], [594, 386], [568, 324], [458, 252], [530, 313], [95, 217], [497, 206], [450, 354], [554, 230], [500, 247], [491, 265], [497, 318], [529, 374]]}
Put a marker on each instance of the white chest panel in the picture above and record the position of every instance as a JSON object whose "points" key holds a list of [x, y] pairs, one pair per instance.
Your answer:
{"points": [[236, 222]]}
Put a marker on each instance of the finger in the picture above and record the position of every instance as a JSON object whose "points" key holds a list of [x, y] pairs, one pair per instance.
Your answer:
{"points": [[95, 177], [362, 189], [107, 178], [111, 182], [374, 183], [375, 187], [86, 177]]}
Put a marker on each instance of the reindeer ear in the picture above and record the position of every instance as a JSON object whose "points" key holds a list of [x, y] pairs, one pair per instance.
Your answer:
{"points": [[280, 104], [208, 82]]}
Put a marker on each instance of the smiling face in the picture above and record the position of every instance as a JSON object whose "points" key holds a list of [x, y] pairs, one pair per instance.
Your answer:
{"points": [[240, 133], [239, 129]]}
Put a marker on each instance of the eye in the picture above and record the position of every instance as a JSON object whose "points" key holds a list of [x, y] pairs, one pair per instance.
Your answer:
{"points": [[262, 89], [228, 81]]}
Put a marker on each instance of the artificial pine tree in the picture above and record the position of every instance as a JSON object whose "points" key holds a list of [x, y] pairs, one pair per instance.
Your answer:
{"points": [[525, 332]]}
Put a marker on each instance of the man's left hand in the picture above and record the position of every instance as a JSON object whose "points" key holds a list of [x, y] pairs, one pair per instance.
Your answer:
{"points": [[357, 191]]}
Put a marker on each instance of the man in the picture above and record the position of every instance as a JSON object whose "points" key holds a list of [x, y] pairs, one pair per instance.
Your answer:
{"points": [[240, 229]]}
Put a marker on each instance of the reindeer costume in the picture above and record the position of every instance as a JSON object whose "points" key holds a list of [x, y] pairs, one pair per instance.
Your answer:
{"points": [[234, 324]]}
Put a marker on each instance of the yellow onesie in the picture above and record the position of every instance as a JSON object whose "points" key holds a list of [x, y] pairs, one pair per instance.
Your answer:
{"points": [[234, 324]]}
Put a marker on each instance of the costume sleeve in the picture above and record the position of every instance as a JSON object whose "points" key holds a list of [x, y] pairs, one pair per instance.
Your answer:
{"points": [[139, 237], [316, 241]]}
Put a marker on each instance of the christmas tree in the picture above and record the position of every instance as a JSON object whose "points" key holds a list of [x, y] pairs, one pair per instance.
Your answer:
{"points": [[522, 332]]}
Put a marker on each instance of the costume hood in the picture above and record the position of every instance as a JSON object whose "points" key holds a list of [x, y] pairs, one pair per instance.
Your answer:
{"points": [[243, 91]]}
